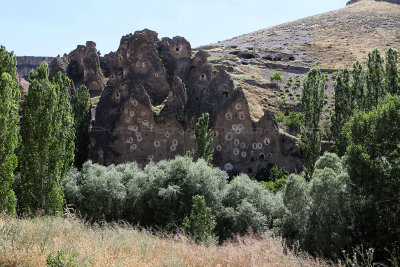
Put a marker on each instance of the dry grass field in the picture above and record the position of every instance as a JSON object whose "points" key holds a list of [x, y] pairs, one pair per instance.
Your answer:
{"points": [[28, 242]]}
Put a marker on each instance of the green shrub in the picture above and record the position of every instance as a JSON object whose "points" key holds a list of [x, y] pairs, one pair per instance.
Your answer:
{"points": [[281, 117], [276, 179], [247, 204], [201, 222], [65, 259], [276, 76], [98, 191], [294, 121], [297, 83], [161, 195], [318, 213]]}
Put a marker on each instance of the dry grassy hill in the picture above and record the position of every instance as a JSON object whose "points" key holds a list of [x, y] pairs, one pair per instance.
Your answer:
{"points": [[334, 39], [331, 41]]}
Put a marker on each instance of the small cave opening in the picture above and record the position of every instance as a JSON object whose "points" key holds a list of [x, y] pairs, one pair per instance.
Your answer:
{"points": [[249, 170], [226, 94], [262, 156], [177, 49]]}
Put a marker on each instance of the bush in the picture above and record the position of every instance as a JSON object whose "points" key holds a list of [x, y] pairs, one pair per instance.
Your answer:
{"points": [[318, 213], [247, 204], [276, 179], [161, 196], [276, 76], [294, 121]]}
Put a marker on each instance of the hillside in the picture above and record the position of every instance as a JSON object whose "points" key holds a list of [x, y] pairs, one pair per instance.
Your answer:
{"points": [[330, 40]]}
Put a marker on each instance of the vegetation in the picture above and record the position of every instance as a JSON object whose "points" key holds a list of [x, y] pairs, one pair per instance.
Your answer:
{"points": [[161, 195], [9, 119], [201, 222], [341, 204], [47, 142], [293, 121], [68, 240], [276, 76], [203, 139], [373, 166], [81, 108], [311, 104], [276, 180], [343, 109]]}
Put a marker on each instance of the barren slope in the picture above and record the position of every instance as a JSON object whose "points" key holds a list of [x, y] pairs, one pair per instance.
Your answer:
{"points": [[334, 39]]}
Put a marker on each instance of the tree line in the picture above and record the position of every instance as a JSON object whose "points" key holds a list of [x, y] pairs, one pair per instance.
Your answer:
{"points": [[43, 142]]}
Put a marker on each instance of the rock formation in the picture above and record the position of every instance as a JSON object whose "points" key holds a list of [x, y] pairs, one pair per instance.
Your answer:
{"points": [[155, 92], [26, 63], [351, 2], [82, 66]]}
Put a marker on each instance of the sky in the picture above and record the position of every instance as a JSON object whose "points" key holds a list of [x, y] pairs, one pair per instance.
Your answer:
{"points": [[55, 27]]}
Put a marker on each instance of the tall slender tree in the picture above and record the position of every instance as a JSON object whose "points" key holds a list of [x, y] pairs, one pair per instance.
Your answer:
{"points": [[9, 118], [344, 105], [81, 107], [47, 141], [203, 139], [312, 102], [375, 79], [358, 85], [391, 72]]}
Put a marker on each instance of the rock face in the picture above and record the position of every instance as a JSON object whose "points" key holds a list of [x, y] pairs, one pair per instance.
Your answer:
{"points": [[26, 63], [155, 92], [82, 66]]}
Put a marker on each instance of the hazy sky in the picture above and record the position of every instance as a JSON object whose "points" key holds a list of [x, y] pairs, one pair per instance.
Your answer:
{"points": [[52, 27]]}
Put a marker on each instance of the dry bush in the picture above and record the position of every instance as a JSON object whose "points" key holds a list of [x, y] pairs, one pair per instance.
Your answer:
{"points": [[28, 242]]}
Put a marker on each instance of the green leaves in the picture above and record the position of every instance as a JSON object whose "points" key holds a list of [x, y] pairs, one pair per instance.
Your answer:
{"points": [[312, 102], [201, 222], [203, 139], [9, 118], [81, 107], [47, 141]]}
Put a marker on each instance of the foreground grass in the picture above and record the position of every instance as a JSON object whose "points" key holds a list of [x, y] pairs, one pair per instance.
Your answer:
{"points": [[28, 242]]}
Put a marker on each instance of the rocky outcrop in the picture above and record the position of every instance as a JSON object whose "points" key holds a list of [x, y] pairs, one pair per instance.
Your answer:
{"points": [[156, 91], [352, 2], [82, 66], [26, 63]]}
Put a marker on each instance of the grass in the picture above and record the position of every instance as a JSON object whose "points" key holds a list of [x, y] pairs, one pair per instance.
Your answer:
{"points": [[29, 242]]}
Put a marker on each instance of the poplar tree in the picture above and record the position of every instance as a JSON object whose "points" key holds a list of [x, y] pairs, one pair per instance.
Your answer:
{"points": [[358, 85], [81, 107], [375, 79], [47, 142], [391, 72], [9, 118], [203, 139], [312, 102], [344, 105]]}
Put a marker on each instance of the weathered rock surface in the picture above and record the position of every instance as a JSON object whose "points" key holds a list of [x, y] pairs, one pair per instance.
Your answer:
{"points": [[156, 91], [82, 66], [26, 63]]}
